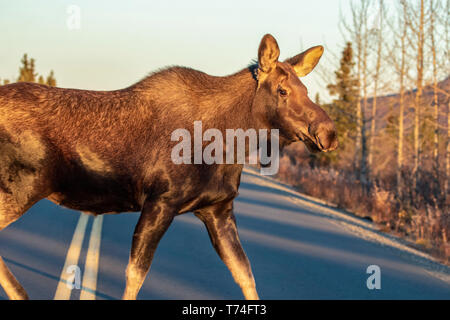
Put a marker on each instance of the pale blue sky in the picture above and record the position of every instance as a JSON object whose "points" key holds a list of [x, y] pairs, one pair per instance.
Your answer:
{"points": [[120, 42]]}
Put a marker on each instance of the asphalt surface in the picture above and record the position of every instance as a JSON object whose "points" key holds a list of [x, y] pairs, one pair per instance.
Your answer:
{"points": [[298, 247]]}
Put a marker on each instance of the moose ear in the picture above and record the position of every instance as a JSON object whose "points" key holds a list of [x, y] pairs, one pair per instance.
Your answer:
{"points": [[305, 62], [268, 53]]}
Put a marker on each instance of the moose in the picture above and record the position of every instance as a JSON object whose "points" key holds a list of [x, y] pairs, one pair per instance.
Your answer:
{"points": [[109, 151]]}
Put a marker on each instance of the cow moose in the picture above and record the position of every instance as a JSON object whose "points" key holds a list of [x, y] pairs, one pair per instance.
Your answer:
{"points": [[109, 151]]}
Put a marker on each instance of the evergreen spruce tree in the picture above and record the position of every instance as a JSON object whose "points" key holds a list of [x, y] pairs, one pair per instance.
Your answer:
{"points": [[51, 81], [343, 109], [26, 71], [27, 74], [41, 80]]}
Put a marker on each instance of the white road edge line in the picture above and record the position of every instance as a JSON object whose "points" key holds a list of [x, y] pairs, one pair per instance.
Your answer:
{"points": [[89, 284], [63, 291]]}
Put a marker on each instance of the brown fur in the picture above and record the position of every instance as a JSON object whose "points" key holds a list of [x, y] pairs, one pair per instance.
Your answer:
{"points": [[109, 151]]}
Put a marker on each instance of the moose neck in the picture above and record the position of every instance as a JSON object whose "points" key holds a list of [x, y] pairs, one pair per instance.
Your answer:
{"points": [[187, 95], [235, 109]]}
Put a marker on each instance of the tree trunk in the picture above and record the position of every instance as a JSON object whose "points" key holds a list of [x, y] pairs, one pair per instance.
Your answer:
{"points": [[376, 79], [435, 102], [417, 105], [447, 152], [402, 108]]}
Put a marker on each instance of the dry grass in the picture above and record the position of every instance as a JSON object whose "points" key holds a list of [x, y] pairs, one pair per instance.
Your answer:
{"points": [[422, 221]]}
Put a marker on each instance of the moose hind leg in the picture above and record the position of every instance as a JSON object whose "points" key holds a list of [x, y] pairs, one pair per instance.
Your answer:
{"points": [[23, 181], [11, 209], [9, 283], [12, 287], [12, 206]]}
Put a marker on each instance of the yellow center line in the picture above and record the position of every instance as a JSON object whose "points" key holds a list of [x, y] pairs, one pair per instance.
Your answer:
{"points": [[64, 289], [89, 285]]}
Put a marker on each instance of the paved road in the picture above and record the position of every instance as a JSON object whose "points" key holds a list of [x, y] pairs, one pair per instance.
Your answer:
{"points": [[299, 249]]}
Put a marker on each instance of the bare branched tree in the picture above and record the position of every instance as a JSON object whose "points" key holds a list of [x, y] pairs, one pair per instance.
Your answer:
{"points": [[357, 32], [376, 79]]}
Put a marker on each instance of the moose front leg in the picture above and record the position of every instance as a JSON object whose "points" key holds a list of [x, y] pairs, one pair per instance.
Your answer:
{"points": [[221, 224], [155, 219]]}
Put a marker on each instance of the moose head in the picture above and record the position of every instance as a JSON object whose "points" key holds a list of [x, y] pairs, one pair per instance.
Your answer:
{"points": [[283, 102]]}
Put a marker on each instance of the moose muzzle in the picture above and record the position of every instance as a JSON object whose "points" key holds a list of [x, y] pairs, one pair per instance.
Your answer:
{"points": [[325, 136]]}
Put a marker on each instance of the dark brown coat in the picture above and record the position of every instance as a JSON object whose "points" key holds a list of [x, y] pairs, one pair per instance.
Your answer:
{"points": [[109, 151]]}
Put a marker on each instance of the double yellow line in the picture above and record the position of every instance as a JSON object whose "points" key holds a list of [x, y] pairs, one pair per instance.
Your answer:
{"points": [[89, 283]]}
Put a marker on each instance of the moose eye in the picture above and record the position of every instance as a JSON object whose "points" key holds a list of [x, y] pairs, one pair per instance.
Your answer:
{"points": [[282, 92]]}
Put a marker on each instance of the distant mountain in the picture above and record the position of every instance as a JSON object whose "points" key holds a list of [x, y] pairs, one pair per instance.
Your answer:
{"points": [[389, 104]]}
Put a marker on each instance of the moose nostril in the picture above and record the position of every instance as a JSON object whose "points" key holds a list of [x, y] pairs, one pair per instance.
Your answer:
{"points": [[323, 140], [327, 138], [333, 140]]}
